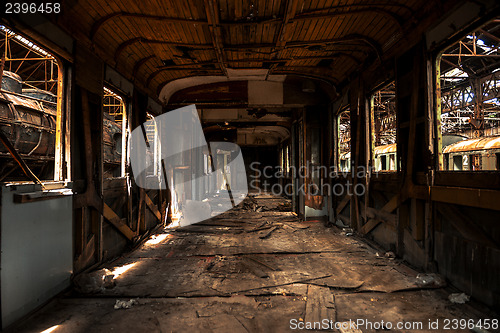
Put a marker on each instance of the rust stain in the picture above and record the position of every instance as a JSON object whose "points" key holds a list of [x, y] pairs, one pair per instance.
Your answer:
{"points": [[390, 148], [474, 144]]}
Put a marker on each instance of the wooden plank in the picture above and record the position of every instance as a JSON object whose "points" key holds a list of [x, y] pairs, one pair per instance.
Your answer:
{"points": [[116, 221], [254, 268], [466, 227], [417, 218], [262, 226], [320, 304], [261, 263], [370, 225], [151, 206], [141, 213], [345, 200], [345, 219], [84, 259], [487, 199], [373, 213], [268, 233], [483, 179], [391, 205]]}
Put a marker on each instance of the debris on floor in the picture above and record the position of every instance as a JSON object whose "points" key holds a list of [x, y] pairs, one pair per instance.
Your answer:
{"points": [[459, 298], [251, 271], [94, 282], [339, 223], [348, 327], [391, 255], [268, 233], [347, 231], [120, 304], [431, 280]]}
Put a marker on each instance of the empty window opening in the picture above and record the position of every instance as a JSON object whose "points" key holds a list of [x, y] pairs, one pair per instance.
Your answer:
{"points": [[458, 162], [469, 82], [285, 160], [392, 161], [383, 107], [344, 139], [383, 162], [29, 110]]}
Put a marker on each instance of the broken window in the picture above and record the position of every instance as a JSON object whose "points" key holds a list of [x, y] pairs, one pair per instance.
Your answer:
{"points": [[114, 134], [344, 139], [285, 160], [383, 113], [469, 108], [30, 111]]}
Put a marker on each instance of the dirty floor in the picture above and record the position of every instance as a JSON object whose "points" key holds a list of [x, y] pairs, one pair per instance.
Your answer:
{"points": [[257, 269]]}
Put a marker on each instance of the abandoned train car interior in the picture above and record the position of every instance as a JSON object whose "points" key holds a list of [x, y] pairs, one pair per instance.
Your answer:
{"points": [[250, 165]]}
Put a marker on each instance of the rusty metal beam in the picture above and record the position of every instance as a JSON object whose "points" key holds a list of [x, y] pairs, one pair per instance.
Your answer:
{"points": [[139, 64], [343, 10], [368, 41], [143, 40], [324, 14], [249, 60], [290, 9], [212, 12], [466, 226], [293, 44], [189, 67], [102, 21]]}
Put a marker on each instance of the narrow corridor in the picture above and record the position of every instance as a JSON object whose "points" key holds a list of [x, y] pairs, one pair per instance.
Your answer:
{"points": [[256, 268]]}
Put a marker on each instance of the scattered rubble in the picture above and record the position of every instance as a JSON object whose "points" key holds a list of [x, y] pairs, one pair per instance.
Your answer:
{"points": [[284, 207], [268, 233], [251, 204], [430, 280], [459, 298], [339, 223], [124, 304], [391, 255], [94, 282], [347, 232]]}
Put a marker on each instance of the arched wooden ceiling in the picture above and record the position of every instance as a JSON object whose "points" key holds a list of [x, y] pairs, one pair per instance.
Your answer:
{"points": [[158, 41]]}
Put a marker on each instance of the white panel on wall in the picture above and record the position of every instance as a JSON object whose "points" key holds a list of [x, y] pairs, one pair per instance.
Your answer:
{"points": [[36, 251]]}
